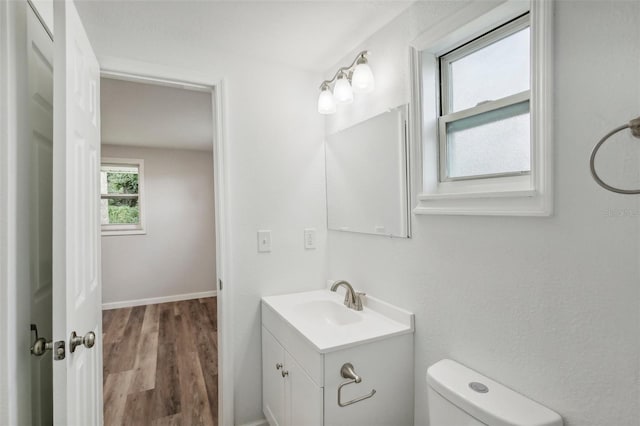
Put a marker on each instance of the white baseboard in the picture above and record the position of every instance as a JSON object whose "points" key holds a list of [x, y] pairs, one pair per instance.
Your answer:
{"points": [[261, 422], [155, 300]]}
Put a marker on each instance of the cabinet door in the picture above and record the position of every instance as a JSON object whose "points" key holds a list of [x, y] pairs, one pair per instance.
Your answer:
{"points": [[304, 398], [273, 383]]}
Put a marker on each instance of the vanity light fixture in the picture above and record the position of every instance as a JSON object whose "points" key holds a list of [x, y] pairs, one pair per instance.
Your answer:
{"points": [[356, 78]]}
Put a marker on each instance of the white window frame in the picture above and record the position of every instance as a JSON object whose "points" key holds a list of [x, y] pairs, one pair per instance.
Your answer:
{"points": [[127, 229], [521, 194]]}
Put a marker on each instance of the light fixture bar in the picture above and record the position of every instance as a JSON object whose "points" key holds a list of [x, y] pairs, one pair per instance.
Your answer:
{"points": [[361, 55], [355, 78]]}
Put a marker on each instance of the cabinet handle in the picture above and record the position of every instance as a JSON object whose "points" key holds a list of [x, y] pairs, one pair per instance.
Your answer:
{"points": [[285, 373], [278, 366]]}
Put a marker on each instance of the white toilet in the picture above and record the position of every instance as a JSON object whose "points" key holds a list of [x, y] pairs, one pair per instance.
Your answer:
{"points": [[458, 396]]}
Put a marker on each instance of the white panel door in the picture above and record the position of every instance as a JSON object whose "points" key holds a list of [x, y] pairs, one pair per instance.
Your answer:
{"points": [[40, 118], [77, 289]]}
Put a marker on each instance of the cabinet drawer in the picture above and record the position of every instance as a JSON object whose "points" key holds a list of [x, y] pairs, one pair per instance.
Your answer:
{"points": [[299, 348]]}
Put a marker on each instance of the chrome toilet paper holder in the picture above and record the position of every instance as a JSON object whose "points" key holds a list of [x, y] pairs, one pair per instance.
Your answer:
{"points": [[348, 372]]}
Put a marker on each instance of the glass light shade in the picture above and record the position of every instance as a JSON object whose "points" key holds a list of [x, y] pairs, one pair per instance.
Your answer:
{"points": [[362, 79], [342, 91], [326, 103]]}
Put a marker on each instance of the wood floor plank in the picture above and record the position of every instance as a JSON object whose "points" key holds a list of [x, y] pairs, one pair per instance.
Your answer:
{"points": [[212, 394], [160, 364], [144, 377], [151, 319], [138, 408], [117, 325], [203, 325], [184, 330], [123, 353], [115, 392], [166, 326], [167, 391], [212, 306], [194, 402], [175, 420], [107, 318]]}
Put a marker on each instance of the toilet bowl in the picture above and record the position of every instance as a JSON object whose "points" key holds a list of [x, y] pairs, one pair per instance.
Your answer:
{"points": [[458, 396]]}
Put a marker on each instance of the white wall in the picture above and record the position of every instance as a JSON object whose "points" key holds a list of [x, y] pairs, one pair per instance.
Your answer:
{"points": [[547, 306], [177, 254]]}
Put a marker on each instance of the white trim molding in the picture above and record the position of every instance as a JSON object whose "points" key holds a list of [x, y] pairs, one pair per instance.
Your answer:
{"points": [[525, 195], [156, 300], [15, 401], [7, 278]]}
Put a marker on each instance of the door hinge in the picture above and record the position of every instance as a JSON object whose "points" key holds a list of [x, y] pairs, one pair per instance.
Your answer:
{"points": [[220, 283]]}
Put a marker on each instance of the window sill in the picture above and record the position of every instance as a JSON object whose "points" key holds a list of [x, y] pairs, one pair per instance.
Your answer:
{"points": [[496, 203], [468, 195], [122, 232]]}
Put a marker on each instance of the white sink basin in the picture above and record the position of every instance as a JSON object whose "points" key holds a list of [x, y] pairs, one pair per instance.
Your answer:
{"points": [[328, 311], [323, 320]]}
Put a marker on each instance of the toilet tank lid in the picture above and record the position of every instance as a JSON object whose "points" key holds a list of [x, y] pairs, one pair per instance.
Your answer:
{"points": [[498, 406]]}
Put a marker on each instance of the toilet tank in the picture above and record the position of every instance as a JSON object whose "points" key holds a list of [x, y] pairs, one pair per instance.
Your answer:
{"points": [[459, 396]]}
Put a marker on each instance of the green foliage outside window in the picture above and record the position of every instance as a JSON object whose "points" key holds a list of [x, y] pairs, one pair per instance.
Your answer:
{"points": [[122, 183], [123, 210]]}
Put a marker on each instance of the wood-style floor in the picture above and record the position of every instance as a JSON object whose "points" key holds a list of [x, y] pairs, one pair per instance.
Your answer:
{"points": [[160, 364]]}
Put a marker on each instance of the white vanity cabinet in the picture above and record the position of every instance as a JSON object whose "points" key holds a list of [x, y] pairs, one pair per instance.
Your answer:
{"points": [[303, 352], [290, 397]]}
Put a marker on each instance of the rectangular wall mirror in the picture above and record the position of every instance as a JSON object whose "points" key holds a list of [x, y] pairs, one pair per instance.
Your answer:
{"points": [[367, 176]]}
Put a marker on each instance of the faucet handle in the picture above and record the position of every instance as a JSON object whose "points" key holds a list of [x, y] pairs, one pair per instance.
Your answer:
{"points": [[358, 300]]}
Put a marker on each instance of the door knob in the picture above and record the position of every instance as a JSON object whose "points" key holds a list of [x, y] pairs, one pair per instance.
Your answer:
{"points": [[41, 346], [88, 340], [278, 366]]}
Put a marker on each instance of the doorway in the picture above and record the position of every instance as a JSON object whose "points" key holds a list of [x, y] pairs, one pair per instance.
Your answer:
{"points": [[72, 397], [158, 253]]}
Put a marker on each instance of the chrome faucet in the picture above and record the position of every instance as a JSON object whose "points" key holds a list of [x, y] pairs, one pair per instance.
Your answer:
{"points": [[352, 299]]}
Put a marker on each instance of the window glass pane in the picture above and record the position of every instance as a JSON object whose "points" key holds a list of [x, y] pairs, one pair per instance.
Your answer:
{"points": [[119, 211], [119, 179], [498, 70], [490, 143]]}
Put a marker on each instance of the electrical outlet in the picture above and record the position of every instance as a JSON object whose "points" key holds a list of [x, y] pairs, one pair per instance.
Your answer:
{"points": [[264, 241], [309, 238]]}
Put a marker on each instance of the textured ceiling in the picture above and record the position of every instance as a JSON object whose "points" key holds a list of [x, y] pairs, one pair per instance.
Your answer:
{"points": [[309, 35], [138, 114]]}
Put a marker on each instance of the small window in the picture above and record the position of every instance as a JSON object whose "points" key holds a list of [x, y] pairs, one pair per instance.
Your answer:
{"points": [[121, 191], [484, 125], [482, 93]]}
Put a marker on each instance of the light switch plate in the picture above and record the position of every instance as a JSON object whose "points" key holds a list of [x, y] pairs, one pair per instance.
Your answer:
{"points": [[309, 238], [264, 241]]}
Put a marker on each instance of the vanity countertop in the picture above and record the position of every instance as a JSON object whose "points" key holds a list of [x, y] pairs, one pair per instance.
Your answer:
{"points": [[322, 319]]}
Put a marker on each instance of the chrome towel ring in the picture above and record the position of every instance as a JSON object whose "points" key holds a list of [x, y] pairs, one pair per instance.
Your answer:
{"points": [[634, 125]]}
